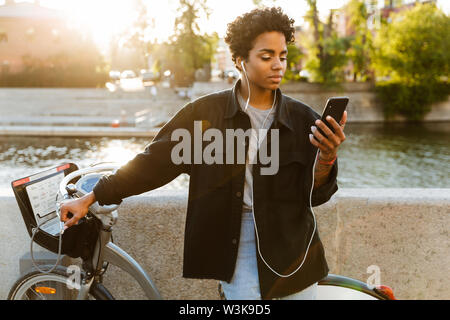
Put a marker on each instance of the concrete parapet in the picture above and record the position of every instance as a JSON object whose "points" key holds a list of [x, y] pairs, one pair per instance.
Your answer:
{"points": [[402, 232]]}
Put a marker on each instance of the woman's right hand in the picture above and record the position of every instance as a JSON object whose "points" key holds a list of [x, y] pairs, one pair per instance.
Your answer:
{"points": [[77, 207]]}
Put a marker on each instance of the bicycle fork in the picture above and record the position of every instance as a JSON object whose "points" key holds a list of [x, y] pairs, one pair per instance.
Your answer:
{"points": [[84, 288]]}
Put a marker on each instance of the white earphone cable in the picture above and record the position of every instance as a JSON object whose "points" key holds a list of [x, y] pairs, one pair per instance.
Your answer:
{"points": [[248, 86], [310, 240], [253, 208]]}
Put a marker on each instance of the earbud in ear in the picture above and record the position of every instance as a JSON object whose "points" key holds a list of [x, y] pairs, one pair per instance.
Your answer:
{"points": [[242, 65]]}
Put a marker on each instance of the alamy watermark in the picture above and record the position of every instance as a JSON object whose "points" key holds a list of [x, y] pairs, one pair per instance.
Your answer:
{"points": [[74, 277], [213, 153], [374, 280]]}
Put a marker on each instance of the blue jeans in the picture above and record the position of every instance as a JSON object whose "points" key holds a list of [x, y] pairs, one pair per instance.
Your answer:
{"points": [[245, 283]]}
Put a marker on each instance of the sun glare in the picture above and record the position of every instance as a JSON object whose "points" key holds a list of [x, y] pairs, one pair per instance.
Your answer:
{"points": [[105, 19], [102, 18], [116, 152]]}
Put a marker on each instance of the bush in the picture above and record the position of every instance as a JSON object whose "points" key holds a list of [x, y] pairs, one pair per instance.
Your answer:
{"points": [[415, 46], [54, 77], [413, 51], [83, 68], [410, 100]]}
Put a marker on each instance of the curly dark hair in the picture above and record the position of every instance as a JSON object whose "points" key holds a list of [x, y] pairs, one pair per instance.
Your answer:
{"points": [[244, 29]]}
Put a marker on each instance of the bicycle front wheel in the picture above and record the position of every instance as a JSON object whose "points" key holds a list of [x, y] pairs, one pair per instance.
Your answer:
{"points": [[52, 286]]}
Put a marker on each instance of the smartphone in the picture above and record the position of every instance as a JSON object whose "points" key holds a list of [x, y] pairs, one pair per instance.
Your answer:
{"points": [[335, 108]]}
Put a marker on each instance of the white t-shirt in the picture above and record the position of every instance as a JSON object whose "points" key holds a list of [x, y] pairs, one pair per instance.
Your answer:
{"points": [[258, 118]]}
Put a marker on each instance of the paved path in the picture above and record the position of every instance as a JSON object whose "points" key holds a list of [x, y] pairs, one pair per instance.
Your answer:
{"points": [[82, 102]]}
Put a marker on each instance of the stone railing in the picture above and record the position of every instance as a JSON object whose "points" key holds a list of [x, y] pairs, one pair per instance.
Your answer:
{"points": [[403, 233], [363, 106]]}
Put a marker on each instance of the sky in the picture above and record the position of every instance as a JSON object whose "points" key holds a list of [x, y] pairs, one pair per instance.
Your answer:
{"points": [[108, 17]]}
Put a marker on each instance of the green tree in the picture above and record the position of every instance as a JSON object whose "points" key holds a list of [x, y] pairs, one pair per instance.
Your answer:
{"points": [[264, 3], [413, 51], [136, 36], [189, 50], [360, 41], [293, 58], [326, 51], [415, 47]]}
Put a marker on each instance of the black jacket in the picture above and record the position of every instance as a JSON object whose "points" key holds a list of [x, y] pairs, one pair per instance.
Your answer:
{"points": [[281, 201]]}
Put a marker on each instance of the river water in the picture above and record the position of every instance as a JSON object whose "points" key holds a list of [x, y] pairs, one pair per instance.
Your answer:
{"points": [[373, 156]]}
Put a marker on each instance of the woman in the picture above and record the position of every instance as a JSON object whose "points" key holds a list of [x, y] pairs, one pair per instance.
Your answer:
{"points": [[254, 232]]}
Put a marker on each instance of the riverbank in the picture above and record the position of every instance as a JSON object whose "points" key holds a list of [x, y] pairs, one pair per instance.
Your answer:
{"points": [[98, 112]]}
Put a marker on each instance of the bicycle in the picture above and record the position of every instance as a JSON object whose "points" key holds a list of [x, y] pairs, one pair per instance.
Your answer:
{"points": [[57, 282]]}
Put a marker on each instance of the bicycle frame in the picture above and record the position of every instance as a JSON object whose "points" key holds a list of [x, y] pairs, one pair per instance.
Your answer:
{"points": [[118, 257], [106, 251]]}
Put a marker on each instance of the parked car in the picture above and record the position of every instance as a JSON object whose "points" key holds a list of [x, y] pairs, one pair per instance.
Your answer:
{"points": [[128, 74], [232, 73], [304, 74], [114, 75], [148, 75]]}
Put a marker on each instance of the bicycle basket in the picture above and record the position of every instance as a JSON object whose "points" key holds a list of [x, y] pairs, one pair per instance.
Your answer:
{"points": [[36, 197]]}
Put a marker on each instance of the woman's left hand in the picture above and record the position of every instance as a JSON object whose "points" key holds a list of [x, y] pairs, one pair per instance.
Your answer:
{"points": [[328, 144]]}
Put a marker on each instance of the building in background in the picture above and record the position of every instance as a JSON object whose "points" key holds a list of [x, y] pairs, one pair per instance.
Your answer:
{"points": [[222, 62], [30, 30], [377, 10]]}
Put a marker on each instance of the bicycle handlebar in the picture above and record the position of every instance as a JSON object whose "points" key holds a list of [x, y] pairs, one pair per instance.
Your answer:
{"points": [[106, 167]]}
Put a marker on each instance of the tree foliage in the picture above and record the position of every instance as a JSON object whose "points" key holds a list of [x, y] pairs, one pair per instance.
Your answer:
{"points": [[415, 46], [188, 50], [360, 41], [413, 52], [264, 3], [326, 52], [293, 58]]}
